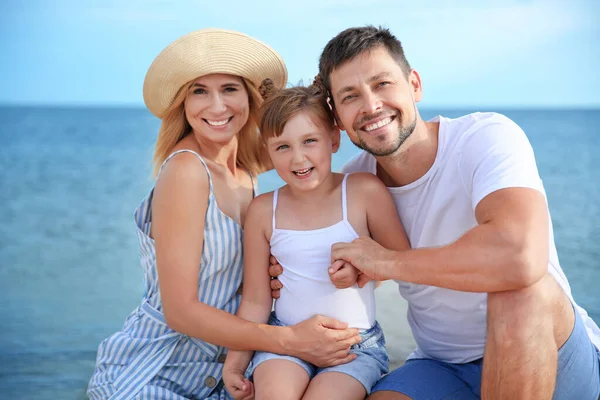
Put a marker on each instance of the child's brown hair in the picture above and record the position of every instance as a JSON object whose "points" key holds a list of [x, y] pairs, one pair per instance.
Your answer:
{"points": [[282, 105]]}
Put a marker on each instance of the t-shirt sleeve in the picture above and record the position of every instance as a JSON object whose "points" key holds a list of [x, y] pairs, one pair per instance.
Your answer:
{"points": [[497, 155]]}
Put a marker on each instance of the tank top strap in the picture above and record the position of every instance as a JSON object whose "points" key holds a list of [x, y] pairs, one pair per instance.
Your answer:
{"points": [[275, 195], [210, 184], [344, 199]]}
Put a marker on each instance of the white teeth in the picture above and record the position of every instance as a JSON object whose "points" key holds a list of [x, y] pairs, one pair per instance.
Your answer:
{"points": [[379, 124], [303, 172], [217, 123]]}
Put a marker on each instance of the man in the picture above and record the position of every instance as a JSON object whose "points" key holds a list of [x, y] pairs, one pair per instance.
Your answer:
{"points": [[488, 304]]}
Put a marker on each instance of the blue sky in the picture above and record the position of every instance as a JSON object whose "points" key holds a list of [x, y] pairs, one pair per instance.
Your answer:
{"points": [[512, 53]]}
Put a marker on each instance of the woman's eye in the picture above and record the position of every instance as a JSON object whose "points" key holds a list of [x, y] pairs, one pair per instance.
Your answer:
{"points": [[230, 89], [199, 91]]}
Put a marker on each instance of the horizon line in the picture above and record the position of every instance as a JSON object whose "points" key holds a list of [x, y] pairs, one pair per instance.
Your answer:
{"points": [[113, 106]]}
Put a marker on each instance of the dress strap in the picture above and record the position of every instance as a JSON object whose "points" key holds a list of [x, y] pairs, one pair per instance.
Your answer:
{"points": [[210, 184], [344, 199], [275, 195]]}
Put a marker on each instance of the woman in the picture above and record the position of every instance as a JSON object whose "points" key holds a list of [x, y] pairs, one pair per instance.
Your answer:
{"points": [[204, 88]]}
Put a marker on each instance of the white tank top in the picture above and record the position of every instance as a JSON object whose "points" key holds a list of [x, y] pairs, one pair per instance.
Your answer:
{"points": [[307, 290]]}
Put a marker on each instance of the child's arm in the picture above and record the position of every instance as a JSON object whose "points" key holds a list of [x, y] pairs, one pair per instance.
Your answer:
{"points": [[368, 193], [256, 297], [382, 217]]}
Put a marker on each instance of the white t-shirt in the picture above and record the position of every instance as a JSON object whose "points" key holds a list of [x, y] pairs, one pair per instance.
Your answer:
{"points": [[477, 155]]}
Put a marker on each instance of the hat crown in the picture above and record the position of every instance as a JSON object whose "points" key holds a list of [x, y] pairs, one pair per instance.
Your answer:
{"points": [[209, 51]]}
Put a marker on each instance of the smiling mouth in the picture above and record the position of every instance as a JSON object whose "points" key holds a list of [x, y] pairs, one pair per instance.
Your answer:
{"points": [[303, 172], [379, 124], [217, 123]]}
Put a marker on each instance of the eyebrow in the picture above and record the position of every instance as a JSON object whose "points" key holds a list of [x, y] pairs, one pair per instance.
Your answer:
{"points": [[228, 84], [276, 140], [377, 77]]}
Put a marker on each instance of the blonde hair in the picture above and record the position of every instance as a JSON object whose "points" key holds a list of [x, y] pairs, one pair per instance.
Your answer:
{"points": [[251, 154]]}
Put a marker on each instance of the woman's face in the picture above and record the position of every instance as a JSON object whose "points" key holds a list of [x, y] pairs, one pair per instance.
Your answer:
{"points": [[217, 107]]}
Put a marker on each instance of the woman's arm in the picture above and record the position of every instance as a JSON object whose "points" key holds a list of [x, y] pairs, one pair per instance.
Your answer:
{"points": [[256, 298], [179, 207]]}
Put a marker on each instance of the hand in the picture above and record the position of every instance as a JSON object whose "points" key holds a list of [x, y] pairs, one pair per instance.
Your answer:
{"points": [[322, 341], [275, 270], [238, 387], [364, 254], [344, 275]]}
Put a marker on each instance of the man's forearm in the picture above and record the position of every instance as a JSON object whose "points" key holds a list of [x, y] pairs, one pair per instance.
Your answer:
{"points": [[483, 260]]}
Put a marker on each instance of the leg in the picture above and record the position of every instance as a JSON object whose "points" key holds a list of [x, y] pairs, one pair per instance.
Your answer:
{"points": [[280, 379], [525, 329], [334, 386], [430, 380]]}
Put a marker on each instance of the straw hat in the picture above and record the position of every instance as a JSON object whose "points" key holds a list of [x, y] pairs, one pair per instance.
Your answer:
{"points": [[209, 51]]}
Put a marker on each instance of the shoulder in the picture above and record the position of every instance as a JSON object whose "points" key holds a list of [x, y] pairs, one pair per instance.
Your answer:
{"points": [[365, 185], [261, 208], [478, 125], [362, 162], [183, 171]]}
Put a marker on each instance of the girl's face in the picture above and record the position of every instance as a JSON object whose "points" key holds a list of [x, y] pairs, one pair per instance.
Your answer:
{"points": [[217, 107], [302, 153]]}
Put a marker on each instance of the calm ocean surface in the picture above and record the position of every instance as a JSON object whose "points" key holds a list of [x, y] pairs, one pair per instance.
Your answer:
{"points": [[70, 180]]}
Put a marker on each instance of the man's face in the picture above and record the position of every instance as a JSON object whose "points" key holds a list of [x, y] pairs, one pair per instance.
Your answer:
{"points": [[374, 102]]}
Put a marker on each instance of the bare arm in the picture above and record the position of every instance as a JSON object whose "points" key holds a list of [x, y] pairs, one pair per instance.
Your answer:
{"points": [[507, 250], [382, 217], [370, 195], [179, 208], [256, 299]]}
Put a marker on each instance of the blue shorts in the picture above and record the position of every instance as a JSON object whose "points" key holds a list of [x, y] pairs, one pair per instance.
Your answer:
{"points": [[578, 375], [368, 367]]}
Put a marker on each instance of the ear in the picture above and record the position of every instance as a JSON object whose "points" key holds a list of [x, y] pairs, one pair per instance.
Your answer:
{"points": [[337, 119], [335, 139], [414, 80]]}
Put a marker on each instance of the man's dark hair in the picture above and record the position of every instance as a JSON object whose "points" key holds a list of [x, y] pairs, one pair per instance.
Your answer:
{"points": [[355, 41]]}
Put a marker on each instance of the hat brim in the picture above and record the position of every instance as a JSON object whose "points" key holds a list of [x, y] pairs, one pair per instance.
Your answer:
{"points": [[209, 51]]}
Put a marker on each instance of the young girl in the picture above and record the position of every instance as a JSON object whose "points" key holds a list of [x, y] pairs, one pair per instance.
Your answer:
{"points": [[298, 224]]}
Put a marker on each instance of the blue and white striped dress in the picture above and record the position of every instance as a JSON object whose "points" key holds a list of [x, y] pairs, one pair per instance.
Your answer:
{"points": [[147, 359]]}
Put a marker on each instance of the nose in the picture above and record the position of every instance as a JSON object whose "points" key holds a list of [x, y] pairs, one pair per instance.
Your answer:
{"points": [[371, 103], [298, 156], [218, 104]]}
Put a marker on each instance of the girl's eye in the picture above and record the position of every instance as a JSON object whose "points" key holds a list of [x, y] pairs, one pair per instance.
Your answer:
{"points": [[310, 140], [282, 147]]}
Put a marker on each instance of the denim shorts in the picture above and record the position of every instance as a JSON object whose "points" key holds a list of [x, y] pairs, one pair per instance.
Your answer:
{"points": [[368, 367], [578, 374]]}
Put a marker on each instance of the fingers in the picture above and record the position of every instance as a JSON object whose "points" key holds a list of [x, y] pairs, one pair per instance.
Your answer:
{"points": [[344, 360], [274, 268], [338, 251], [362, 280], [275, 294], [276, 284], [336, 266], [332, 323]]}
